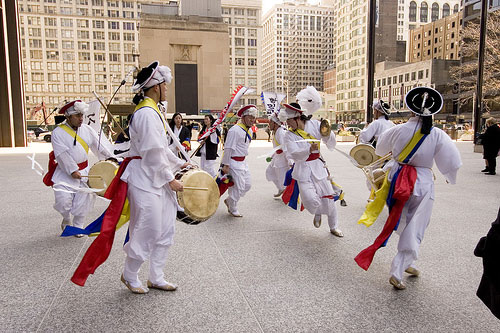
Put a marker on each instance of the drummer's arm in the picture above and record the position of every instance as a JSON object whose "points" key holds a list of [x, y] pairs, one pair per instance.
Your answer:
{"points": [[296, 151], [367, 133], [67, 163], [175, 162]]}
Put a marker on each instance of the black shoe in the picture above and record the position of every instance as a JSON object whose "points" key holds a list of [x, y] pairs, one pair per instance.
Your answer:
{"points": [[485, 170], [491, 173]]}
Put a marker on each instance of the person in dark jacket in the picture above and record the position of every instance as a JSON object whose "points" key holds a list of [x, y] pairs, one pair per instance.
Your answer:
{"points": [[208, 152], [182, 133], [488, 248], [491, 144]]}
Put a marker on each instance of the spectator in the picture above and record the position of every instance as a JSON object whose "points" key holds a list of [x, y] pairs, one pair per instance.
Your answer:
{"points": [[254, 132], [490, 140]]}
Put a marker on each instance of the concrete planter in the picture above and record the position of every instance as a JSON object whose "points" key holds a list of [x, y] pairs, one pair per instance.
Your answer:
{"points": [[345, 138]]}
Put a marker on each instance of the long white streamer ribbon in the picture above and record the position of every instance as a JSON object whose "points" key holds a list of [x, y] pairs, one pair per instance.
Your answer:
{"points": [[76, 189], [35, 166]]}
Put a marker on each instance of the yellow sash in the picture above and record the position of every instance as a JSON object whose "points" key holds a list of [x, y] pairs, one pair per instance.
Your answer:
{"points": [[246, 129], [410, 146], [148, 102], [304, 135], [71, 132]]}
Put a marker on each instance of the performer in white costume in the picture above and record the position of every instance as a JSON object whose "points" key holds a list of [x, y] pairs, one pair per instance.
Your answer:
{"points": [[381, 113], [437, 147], [71, 141], [316, 190], [279, 165], [235, 151], [151, 183]]}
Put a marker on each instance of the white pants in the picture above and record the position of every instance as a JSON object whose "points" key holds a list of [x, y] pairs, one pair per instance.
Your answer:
{"points": [[277, 175], [242, 184], [417, 215], [208, 165], [77, 204], [151, 231], [311, 195]]}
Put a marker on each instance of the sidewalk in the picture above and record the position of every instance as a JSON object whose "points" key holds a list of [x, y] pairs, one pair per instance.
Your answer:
{"points": [[270, 271]]}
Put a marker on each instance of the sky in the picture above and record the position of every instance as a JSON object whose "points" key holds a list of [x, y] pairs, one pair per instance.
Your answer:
{"points": [[267, 4]]}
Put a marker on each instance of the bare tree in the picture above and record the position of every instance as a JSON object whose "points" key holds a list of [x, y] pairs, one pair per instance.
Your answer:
{"points": [[466, 73]]}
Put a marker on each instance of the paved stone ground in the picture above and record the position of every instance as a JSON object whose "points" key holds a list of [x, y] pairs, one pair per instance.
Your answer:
{"points": [[270, 271]]}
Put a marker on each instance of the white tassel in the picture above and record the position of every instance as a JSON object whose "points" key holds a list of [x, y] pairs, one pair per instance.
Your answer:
{"points": [[309, 100]]}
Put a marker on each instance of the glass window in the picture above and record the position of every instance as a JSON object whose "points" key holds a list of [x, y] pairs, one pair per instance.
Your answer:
{"points": [[446, 10], [413, 11], [424, 12], [435, 12]]}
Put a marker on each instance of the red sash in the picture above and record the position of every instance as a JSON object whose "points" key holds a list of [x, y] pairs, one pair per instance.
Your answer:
{"points": [[402, 192], [238, 158], [47, 179], [99, 250], [312, 157]]}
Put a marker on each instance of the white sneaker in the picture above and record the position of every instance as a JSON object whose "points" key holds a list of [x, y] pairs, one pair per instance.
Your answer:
{"points": [[337, 232], [317, 220]]}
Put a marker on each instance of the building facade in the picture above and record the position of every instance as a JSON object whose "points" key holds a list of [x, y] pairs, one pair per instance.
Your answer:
{"points": [[195, 48], [351, 51], [436, 40], [245, 44], [12, 111], [414, 13], [71, 48], [297, 46], [394, 79]]}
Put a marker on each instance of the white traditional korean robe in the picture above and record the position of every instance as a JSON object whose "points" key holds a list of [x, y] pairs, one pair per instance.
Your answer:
{"points": [[374, 130], [312, 176], [153, 204], [236, 145], [437, 147], [277, 168], [68, 155]]}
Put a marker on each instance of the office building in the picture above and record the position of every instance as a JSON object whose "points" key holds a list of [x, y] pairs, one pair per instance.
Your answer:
{"points": [[298, 46], [245, 44]]}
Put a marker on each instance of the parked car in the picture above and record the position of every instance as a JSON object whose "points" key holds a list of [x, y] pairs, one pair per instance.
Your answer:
{"points": [[37, 130], [46, 136], [353, 130]]}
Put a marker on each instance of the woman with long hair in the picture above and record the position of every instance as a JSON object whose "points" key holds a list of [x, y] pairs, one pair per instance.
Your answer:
{"points": [[181, 132], [208, 153]]}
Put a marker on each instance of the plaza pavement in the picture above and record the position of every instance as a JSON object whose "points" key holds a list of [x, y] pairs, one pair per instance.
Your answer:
{"points": [[270, 271]]}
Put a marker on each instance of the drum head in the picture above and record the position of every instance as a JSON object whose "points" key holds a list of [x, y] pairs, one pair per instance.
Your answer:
{"points": [[106, 171], [200, 205], [364, 154]]}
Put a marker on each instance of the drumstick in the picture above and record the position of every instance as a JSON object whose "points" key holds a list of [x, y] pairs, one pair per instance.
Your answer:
{"points": [[92, 176], [195, 188]]}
